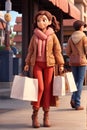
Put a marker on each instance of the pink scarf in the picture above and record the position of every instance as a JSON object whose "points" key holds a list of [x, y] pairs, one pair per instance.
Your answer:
{"points": [[41, 39]]}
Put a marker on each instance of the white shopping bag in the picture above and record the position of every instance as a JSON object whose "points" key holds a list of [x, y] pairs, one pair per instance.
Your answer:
{"points": [[59, 86], [69, 79], [24, 88]]}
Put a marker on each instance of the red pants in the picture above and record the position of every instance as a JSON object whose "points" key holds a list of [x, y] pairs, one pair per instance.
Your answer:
{"points": [[44, 75]]}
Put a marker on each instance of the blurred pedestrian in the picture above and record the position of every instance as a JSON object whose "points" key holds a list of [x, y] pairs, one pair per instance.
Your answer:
{"points": [[77, 51]]}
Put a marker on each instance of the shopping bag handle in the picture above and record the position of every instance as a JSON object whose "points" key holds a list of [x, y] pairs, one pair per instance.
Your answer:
{"points": [[65, 71], [24, 73]]}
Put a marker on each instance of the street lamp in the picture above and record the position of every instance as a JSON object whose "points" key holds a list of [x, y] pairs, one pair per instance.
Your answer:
{"points": [[8, 8]]}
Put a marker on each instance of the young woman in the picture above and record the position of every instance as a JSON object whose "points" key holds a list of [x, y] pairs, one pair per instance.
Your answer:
{"points": [[43, 53]]}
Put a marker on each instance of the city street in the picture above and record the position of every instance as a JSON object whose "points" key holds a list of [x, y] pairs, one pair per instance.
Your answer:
{"points": [[16, 115], [49, 38]]}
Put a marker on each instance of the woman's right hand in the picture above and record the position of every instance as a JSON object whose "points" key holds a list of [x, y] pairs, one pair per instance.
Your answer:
{"points": [[26, 67]]}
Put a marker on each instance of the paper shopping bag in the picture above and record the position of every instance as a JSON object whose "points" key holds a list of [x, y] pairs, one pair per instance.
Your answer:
{"points": [[70, 82], [59, 86], [24, 88]]}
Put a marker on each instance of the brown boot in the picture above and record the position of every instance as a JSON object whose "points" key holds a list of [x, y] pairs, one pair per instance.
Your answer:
{"points": [[46, 122], [72, 104], [35, 122], [79, 108]]}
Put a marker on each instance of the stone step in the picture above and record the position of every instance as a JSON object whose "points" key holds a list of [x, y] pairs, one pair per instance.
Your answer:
{"points": [[5, 85], [5, 89], [5, 93]]}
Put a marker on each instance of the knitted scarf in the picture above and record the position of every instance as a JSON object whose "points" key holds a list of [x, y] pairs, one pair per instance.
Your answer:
{"points": [[41, 39]]}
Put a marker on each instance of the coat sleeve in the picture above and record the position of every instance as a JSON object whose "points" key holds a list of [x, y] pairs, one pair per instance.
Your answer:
{"points": [[85, 44], [68, 48]]}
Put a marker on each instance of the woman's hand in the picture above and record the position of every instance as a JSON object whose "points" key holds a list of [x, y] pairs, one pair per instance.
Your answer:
{"points": [[26, 67], [61, 69]]}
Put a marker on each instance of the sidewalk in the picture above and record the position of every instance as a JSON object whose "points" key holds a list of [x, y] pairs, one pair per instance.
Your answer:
{"points": [[16, 115]]}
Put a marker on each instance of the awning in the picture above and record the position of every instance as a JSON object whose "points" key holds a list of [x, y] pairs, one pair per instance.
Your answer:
{"points": [[67, 7], [62, 4], [17, 28], [73, 11], [17, 38], [2, 25]]}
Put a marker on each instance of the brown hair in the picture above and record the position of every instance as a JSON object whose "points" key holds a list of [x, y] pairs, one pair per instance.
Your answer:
{"points": [[55, 23], [77, 24]]}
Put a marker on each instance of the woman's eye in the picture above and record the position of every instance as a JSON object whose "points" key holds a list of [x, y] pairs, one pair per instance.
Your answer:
{"points": [[44, 20]]}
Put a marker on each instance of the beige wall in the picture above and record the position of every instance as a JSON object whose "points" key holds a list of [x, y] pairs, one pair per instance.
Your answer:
{"points": [[82, 6]]}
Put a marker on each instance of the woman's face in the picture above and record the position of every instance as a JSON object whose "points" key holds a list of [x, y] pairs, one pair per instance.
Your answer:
{"points": [[43, 22]]}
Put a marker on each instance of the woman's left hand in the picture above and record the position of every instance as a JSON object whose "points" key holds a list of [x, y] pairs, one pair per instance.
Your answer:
{"points": [[61, 69]]}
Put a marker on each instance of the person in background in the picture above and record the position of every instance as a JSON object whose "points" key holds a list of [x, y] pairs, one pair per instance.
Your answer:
{"points": [[14, 49], [77, 45], [43, 53]]}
